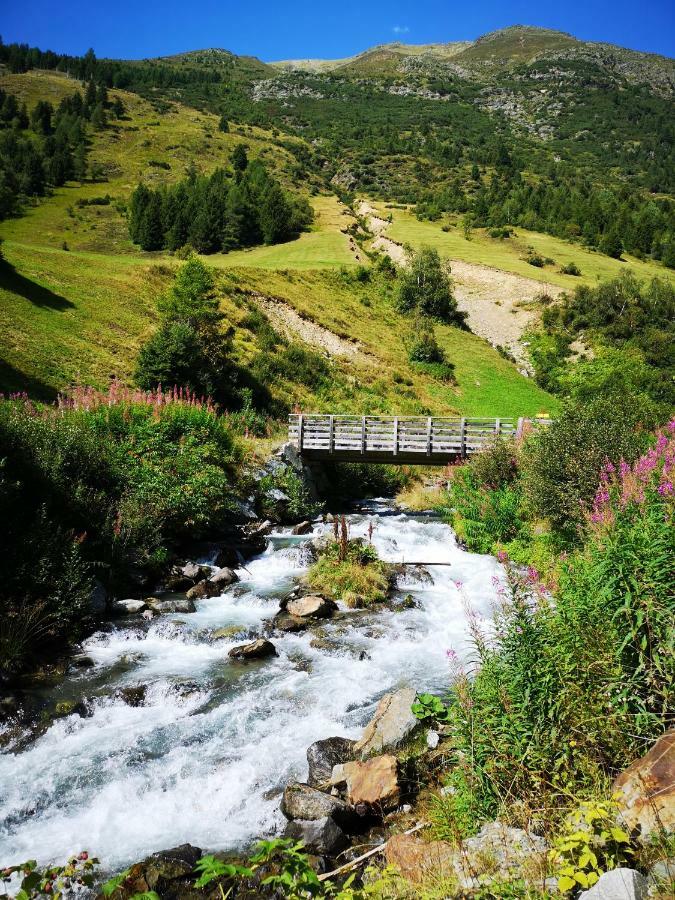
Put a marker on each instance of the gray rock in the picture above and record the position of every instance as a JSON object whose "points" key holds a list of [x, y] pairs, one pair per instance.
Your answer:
{"points": [[663, 871], [284, 622], [195, 572], [392, 723], [323, 755], [314, 607], [82, 662], [224, 577], [321, 836], [128, 607], [179, 605], [256, 650], [277, 495], [619, 884], [300, 801], [511, 853]]}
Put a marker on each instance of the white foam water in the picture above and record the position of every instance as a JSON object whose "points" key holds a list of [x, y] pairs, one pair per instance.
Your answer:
{"points": [[205, 757]]}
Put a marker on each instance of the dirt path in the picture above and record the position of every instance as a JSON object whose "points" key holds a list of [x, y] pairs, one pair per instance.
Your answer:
{"points": [[500, 305], [292, 325]]}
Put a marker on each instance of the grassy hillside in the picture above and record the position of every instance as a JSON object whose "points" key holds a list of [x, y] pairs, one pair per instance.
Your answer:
{"points": [[509, 254]]}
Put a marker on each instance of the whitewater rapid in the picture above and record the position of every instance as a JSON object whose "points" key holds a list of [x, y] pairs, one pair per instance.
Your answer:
{"points": [[204, 758]]}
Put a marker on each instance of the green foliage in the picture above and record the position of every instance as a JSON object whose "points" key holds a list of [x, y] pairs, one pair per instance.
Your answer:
{"points": [[570, 268], [296, 877], [562, 461], [351, 481], [483, 516], [429, 708], [573, 684], [299, 504], [590, 844], [112, 481], [56, 881], [424, 287], [624, 314], [421, 342]]}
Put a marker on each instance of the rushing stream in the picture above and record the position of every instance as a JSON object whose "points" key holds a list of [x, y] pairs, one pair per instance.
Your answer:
{"points": [[205, 756]]}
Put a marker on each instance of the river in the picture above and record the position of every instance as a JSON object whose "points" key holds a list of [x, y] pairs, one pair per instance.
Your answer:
{"points": [[205, 757]]}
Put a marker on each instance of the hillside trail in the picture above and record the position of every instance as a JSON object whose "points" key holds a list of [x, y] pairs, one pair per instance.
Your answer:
{"points": [[501, 306]]}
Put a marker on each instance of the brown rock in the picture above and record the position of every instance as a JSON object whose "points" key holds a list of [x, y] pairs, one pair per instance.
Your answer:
{"points": [[302, 528], [256, 650], [647, 789], [372, 784], [315, 607], [204, 590], [419, 860]]}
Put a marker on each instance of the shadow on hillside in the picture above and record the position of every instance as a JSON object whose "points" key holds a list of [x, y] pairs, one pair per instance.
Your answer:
{"points": [[13, 281], [13, 381]]}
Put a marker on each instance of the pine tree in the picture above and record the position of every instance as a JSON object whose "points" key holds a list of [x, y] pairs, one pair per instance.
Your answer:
{"points": [[223, 125], [239, 159], [275, 214], [151, 228], [41, 117]]}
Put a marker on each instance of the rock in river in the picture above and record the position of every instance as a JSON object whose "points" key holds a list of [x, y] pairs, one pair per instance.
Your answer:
{"points": [[128, 607], [392, 723], [179, 605], [310, 607], [257, 650], [323, 755], [204, 590], [224, 577]]}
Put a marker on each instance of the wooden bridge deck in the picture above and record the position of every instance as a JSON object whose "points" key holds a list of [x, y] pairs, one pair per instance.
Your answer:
{"points": [[413, 440]]}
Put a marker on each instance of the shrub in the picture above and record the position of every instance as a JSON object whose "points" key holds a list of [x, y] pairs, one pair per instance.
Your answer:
{"points": [[536, 260], [299, 504], [421, 342], [562, 462], [480, 516], [570, 268]]}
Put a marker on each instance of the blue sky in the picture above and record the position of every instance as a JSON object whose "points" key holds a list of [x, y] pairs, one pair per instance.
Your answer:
{"points": [[273, 30]]}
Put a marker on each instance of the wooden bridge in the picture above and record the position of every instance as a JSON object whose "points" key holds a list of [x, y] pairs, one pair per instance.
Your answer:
{"points": [[413, 440]]}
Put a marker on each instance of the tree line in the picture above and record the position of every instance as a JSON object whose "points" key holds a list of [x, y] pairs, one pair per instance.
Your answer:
{"points": [[564, 205], [218, 212]]}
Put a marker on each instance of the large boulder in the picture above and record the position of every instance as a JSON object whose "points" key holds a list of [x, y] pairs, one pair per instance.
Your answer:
{"points": [[128, 607], [168, 873], [283, 622], [300, 801], [259, 649], [195, 572], [310, 607], [392, 723], [321, 836], [323, 755], [619, 884], [372, 785], [420, 861], [646, 789], [224, 577]]}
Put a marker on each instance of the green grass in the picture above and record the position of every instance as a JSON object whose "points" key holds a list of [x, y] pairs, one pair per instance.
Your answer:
{"points": [[508, 254]]}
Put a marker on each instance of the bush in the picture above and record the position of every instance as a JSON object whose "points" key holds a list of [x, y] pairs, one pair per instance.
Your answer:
{"points": [[570, 268], [421, 343], [534, 259], [482, 516], [562, 461], [299, 504]]}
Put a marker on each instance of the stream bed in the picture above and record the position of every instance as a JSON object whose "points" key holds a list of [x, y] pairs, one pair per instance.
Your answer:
{"points": [[204, 757]]}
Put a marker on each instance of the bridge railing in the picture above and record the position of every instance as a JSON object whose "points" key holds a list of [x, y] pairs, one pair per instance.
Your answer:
{"points": [[416, 436]]}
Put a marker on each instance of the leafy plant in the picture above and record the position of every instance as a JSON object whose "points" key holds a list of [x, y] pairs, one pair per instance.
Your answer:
{"points": [[211, 869], [296, 877], [591, 843], [429, 708]]}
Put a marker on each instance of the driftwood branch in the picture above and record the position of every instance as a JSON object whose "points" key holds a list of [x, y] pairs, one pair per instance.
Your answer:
{"points": [[355, 863]]}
